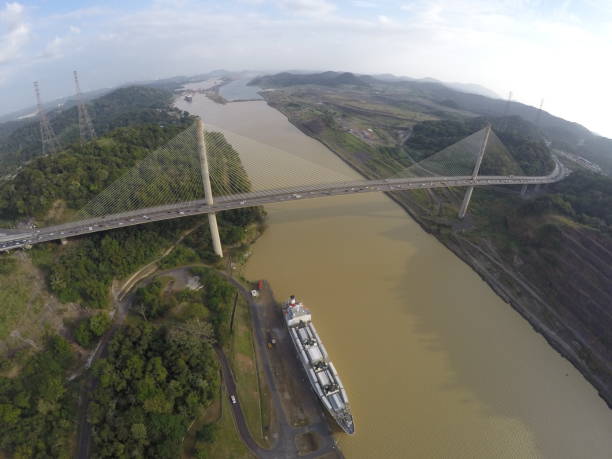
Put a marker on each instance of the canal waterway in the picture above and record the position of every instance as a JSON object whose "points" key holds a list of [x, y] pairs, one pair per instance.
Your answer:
{"points": [[239, 90], [435, 364]]}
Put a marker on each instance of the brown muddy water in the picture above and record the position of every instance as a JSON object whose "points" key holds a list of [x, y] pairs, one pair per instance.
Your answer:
{"points": [[435, 364]]}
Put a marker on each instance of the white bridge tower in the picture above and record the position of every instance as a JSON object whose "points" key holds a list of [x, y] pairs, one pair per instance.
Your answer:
{"points": [[212, 217], [470, 190]]}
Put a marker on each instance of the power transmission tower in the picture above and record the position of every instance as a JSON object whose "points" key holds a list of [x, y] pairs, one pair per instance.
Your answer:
{"points": [[47, 136], [507, 107], [538, 114], [507, 112], [85, 126]]}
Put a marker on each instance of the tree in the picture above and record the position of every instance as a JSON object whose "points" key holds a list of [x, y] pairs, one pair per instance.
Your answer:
{"points": [[99, 323]]}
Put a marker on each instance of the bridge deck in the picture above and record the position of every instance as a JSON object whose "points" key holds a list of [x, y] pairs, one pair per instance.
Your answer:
{"points": [[257, 198]]}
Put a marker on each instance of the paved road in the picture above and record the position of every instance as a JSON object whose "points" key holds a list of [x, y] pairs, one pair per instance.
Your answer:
{"points": [[241, 425], [285, 446], [11, 240]]}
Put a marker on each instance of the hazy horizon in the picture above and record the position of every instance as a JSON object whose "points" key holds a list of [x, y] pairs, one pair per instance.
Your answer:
{"points": [[536, 49]]}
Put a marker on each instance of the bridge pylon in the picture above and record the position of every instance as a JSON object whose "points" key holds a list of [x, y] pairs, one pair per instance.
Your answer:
{"points": [[470, 190], [212, 217]]}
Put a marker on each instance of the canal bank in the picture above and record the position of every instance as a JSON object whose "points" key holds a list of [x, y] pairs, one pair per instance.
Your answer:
{"points": [[435, 364]]}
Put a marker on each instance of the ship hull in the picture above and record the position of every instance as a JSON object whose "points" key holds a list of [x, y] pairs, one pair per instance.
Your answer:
{"points": [[319, 369]]}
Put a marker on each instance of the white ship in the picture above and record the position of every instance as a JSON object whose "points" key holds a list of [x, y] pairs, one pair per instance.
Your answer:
{"points": [[320, 370]]}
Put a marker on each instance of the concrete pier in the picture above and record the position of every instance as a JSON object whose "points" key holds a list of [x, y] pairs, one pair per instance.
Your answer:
{"points": [[466, 202], [212, 217]]}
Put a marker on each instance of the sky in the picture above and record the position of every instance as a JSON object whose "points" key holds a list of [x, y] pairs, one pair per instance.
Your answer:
{"points": [[555, 50]]}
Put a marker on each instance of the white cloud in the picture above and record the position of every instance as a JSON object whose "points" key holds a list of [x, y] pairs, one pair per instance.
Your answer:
{"points": [[384, 19], [54, 49], [365, 4], [14, 33], [308, 7], [14, 36]]}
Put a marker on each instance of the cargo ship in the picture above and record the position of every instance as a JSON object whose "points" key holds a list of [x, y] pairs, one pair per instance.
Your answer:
{"points": [[320, 370]]}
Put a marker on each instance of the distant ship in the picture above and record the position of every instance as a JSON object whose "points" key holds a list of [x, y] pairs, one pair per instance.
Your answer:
{"points": [[188, 98], [320, 370]]}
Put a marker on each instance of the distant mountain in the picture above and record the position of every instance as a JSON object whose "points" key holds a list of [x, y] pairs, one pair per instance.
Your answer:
{"points": [[470, 88], [322, 79]]}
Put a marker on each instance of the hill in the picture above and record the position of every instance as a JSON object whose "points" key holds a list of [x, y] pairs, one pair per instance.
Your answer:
{"points": [[20, 140], [323, 79], [444, 100]]}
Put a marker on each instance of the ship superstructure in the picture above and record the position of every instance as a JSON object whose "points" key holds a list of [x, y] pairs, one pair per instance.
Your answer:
{"points": [[320, 370]]}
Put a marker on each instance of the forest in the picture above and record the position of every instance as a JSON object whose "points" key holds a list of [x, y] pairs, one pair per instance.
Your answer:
{"points": [[161, 370], [151, 385], [124, 107], [519, 137], [80, 172], [37, 407]]}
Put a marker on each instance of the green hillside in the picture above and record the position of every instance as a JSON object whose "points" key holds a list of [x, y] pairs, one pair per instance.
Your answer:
{"points": [[20, 140]]}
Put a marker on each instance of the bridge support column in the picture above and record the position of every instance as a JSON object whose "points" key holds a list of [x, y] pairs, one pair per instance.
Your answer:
{"points": [[466, 202], [212, 217], [524, 190], [470, 190]]}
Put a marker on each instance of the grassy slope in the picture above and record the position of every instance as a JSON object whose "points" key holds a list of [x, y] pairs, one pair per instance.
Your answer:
{"points": [[252, 391]]}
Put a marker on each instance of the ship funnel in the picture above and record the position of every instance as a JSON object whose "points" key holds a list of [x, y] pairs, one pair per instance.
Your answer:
{"points": [[292, 299]]}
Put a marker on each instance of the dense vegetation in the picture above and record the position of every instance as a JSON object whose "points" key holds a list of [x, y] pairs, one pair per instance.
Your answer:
{"points": [[587, 197], [160, 373], [519, 137], [151, 303], [37, 407], [89, 330], [217, 296], [79, 173], [83, 272], [150, 387], [135, 105]]}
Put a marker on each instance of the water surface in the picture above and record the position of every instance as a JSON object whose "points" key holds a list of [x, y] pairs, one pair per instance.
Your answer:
{"points": [[435, 364]]}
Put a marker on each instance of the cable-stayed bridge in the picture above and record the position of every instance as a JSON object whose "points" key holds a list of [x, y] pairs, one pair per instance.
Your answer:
{"points": [[199, 172]]}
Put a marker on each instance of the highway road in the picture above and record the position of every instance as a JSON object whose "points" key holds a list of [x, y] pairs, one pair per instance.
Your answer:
{"points": [[13, 240]]}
